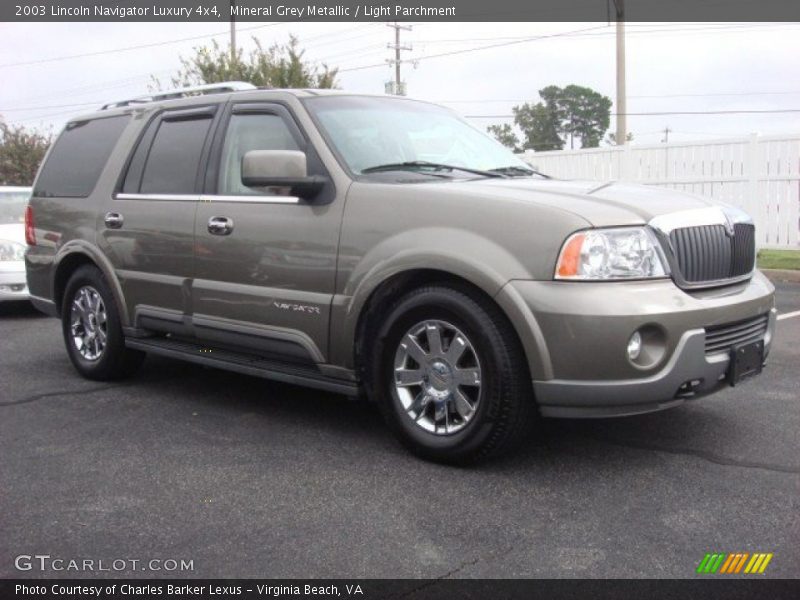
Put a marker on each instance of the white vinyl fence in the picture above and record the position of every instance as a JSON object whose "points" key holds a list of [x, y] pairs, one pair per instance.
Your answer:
{"points": [[760, 174]]}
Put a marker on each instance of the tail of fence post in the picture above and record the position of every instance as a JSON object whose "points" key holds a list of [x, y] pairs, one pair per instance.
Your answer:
{"points": [[753, 204]]}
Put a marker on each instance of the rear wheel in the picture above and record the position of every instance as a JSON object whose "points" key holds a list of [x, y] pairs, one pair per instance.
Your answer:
{"points": [[92, 328], [450, 377]]}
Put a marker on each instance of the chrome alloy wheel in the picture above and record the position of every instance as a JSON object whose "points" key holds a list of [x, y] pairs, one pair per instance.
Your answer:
{"points": [[89, 323], [437, 377]]}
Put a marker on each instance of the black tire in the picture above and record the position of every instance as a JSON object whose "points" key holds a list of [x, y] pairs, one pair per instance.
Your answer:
{"points": [[506, 408], [116, 361]]}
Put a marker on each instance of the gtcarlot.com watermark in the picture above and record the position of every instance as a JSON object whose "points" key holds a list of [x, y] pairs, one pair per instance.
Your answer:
{"points": [[56, 564]]}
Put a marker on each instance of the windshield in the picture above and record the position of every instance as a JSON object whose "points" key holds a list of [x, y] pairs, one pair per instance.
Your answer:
{"points": [[12, 205], [377, 132]]}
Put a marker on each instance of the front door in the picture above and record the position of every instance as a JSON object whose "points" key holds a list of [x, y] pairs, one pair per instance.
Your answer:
{"points": [[265, 261]]}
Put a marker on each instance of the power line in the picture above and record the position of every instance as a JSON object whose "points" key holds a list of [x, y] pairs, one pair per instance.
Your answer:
{"points": [[488, 47], [368, 49], [450, 53], [720, 112], [129, 80], [341, 32], [128, 48], [511, 43], [47, 116], [180, 40], [696, 95], [33, 108], [668, 113], [507, 116], [101, 85], [498, 45], [705, 95], [497, 116], [675, 30]]}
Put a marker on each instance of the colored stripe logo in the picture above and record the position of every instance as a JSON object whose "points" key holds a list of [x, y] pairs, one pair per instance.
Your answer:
{"points": [[735, 562]]}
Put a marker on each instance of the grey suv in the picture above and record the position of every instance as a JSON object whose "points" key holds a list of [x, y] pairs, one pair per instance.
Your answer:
{"points": [[350, 243]]}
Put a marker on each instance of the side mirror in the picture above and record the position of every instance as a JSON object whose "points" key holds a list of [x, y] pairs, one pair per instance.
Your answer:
{"points": [[280, 168]]}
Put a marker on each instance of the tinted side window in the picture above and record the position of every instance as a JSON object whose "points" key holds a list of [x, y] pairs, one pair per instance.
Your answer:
{"points": [[174, 157], [250, 132], [78, 157]]}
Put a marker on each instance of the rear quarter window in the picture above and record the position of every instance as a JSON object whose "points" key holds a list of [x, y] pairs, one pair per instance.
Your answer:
{"points": [[78, 157]]}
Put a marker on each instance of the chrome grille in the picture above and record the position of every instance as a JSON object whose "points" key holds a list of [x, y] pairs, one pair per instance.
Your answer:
{"points": [[744, 249], [722, 338], [707, 253]]}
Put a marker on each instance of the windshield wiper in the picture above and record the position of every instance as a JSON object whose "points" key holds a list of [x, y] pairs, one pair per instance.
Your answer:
{"points": [[514, 170], [421, 164]]}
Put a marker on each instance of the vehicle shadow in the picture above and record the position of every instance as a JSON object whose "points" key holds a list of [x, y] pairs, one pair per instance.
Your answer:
{"points": [[357, 422], [19, 309]]}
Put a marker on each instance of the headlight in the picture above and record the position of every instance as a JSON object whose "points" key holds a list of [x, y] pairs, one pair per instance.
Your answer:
{"points": [[607, 254], [11, 251]]}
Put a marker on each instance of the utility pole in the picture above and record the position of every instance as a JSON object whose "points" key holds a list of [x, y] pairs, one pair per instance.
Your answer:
{"points": [[233, 33], [667, 131], [398, 88], [622, 108]]}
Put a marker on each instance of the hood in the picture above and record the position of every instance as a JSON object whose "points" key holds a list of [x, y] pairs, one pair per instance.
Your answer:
{"points": [[14, 232], [602, 204]]}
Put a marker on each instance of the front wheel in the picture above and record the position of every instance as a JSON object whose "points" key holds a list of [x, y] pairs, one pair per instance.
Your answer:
{"points": [[450, 376], [92, 328]]}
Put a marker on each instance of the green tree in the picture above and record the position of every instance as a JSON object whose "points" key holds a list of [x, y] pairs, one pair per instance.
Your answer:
{"points": [[540, 126], [21, 152], [278, 66], [505, 135], [584, 114], [569, 113]]}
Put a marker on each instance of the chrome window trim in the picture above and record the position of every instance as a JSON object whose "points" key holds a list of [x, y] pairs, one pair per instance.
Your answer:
{"points": [[173, 197], [211, 198], [250, 199]]}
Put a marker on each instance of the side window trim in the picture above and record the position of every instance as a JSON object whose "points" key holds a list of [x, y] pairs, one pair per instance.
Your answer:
{"points": [[146, 142], [186, 114]]}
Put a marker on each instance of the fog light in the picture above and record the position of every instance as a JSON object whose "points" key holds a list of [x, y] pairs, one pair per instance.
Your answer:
{"points": [[635, 345]]}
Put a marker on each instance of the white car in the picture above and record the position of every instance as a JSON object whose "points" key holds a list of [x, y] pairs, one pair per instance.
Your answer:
{"points": [[13, 201]]}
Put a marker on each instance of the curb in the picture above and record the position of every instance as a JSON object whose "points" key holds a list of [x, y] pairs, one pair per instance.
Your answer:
{"points": [[782, 275]]}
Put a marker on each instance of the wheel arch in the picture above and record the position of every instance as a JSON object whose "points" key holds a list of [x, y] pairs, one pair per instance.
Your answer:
{"points": [[402, 282], [74, 255]]}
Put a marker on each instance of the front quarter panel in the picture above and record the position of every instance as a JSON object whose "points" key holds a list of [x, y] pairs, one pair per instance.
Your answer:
{"points": [[486, 240]]}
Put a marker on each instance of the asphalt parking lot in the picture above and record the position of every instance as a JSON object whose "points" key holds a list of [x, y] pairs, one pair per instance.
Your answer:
{"points": [[249, 478]]}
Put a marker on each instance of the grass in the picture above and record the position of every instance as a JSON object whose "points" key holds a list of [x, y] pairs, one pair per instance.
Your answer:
{"points": [[779, 259]]}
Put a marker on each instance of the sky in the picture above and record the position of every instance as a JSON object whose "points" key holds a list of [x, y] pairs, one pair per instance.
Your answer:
{"points": [[671, 67]]}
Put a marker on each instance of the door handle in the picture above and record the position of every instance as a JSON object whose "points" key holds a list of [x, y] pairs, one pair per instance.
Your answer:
{"points": [[114, 220], [220, 225]]}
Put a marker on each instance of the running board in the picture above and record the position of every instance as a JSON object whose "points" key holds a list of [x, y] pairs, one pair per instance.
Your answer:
{"points": [[243, 363]]}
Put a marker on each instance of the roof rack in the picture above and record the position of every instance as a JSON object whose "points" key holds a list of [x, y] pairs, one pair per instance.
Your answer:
{"points": [[208, 88]]}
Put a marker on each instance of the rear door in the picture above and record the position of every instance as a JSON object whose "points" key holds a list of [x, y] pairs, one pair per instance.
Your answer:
{"points": [[264, 284], [147, 227]]}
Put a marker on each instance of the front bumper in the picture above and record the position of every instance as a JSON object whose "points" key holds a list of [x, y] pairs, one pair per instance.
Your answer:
{"points": [[582, 331], [12, 281], [689, 363]]}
